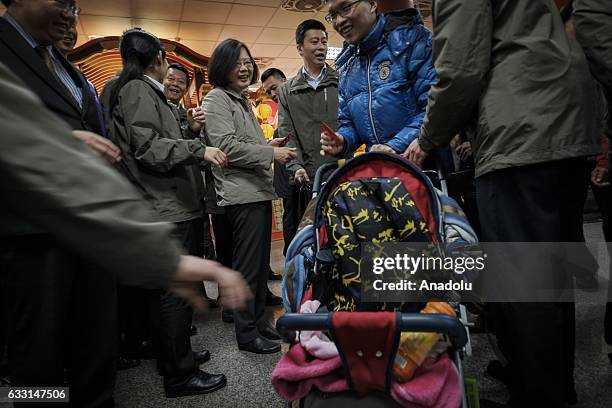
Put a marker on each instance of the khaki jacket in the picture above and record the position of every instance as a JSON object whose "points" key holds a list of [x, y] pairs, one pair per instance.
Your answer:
{"points": [[56, 182], [301, 110], [510, 75], [232, 127], [156, 157]]}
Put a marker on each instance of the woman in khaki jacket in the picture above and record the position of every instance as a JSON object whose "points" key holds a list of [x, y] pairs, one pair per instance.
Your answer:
{"points": [[244, 188], [163, 164]]}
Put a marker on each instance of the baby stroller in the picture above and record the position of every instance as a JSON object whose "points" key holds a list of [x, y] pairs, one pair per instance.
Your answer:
{"points": [[366, 335]]}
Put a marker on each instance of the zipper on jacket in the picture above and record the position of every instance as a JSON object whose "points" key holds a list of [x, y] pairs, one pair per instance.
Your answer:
{"points": [[370, 101]]}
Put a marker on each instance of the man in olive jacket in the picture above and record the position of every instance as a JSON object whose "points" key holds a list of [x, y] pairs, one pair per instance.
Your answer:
{"points": [[304, 101], [593, 26], [510, 76]]}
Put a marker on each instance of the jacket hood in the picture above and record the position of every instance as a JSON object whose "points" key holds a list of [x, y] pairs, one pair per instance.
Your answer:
{"points": [[397, 18]]}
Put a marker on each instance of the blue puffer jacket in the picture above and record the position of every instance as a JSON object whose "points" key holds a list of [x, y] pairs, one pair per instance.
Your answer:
{"points": [[384, 83]]}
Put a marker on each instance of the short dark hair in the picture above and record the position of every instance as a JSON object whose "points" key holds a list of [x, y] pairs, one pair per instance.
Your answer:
{"points": [[273, 72], [224, 59], [180, 67], [7, 2], [306, 25]]}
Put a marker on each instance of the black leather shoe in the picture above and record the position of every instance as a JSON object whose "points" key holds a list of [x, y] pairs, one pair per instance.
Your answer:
{"points": [[227, 316], [199, 383], [269, 333], [260, 345], [193, 330], [144, 351], [272, 299], [201, 357], [124, 363]]}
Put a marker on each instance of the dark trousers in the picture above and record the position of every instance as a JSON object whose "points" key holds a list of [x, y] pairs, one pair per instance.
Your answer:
{"points": [[138, 319], [176, 358], [536, 203], [61, 321], [293, 211], [224, 244], [251, 231]]}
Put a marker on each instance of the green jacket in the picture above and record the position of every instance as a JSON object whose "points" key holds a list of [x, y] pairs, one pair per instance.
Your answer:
{"points": [[301, 110], [593, 26], [56, 182], [509, 74], [232, 127], [156, 157]]}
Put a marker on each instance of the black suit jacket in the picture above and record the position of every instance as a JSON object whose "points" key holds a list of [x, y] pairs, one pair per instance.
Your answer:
{"points": [[24, 61]]}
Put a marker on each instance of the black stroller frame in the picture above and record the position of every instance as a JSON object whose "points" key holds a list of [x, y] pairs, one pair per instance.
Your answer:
{"points": [[454, 328]]}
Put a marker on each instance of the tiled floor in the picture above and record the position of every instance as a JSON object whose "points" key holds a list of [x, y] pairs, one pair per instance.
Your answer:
{"points": [[249, 375]]}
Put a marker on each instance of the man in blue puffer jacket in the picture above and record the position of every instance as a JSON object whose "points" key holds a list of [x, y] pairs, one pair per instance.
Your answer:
{"points": [[385, 72]]}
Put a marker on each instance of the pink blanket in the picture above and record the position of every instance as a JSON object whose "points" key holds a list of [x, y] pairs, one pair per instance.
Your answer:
{"points": [[435, 384]]}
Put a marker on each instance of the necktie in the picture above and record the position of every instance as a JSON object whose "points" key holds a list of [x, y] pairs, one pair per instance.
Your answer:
{"points": [[46, 57]]}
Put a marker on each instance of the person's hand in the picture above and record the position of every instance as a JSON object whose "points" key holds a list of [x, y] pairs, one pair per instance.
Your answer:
{"points": [[278, 142], [415, 154], [382, 148], [215, 156], [196, 119], [301, 176], [233, 290], [464, 151], [331, 147], [284, 154], [600, 177], [102, 146]]}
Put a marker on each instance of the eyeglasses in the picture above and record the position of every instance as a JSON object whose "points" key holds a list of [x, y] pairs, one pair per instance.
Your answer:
{"points": [[246, 62], [68, 6], [344, 12]]}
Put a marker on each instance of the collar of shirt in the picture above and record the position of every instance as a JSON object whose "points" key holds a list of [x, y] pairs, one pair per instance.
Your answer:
{"points": [[312, 81], [158, 84]]}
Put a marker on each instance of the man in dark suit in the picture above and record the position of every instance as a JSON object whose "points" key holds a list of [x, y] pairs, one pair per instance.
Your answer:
{"points": [[61, 308]]}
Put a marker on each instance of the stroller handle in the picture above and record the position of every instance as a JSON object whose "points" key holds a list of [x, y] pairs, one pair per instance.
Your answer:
{"points": [[316, 184], [414, 322]]}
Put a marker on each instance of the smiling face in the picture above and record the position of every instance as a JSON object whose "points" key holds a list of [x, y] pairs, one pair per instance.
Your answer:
{"points": [[242, 72], [175, 85], [47, 21], [314, 48], [353, 20], [69, 41], [272, 86]]}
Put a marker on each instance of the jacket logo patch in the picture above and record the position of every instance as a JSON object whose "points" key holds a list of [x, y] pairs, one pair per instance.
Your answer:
{"points": [[384, 70]]}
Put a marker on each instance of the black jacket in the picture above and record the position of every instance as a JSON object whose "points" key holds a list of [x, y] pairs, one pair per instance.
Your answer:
{"points": [[19, 57], [23, 61]]}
